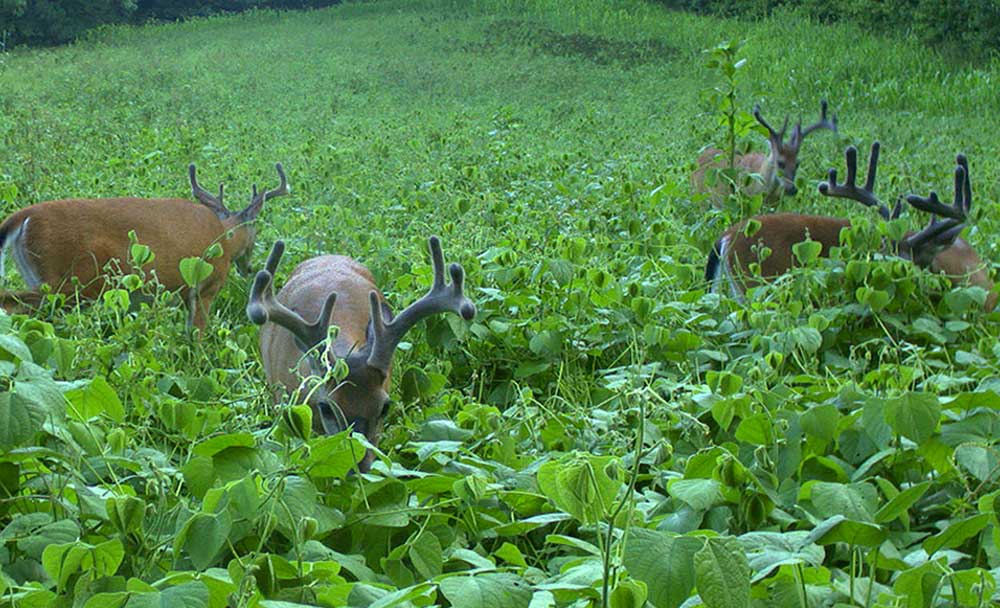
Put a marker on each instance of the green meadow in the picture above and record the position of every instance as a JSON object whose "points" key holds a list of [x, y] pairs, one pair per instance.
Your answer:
{"points": [[605, 432]]}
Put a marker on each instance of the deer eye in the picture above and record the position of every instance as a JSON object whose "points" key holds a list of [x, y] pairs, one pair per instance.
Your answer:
{"points": [[781, 164]]}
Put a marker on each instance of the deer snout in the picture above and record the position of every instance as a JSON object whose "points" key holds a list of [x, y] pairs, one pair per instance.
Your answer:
{"points": [[790, 188]]}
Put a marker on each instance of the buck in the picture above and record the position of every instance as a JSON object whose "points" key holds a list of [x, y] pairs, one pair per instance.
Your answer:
{"points": [[55, 242], [776, 169], [937, 247], [337, 290]]}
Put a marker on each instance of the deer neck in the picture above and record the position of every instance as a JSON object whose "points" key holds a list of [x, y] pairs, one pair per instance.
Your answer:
{"points": [[770, 174]]}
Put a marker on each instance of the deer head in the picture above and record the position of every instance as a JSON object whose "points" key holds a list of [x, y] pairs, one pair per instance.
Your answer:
{"points": [[785, 154], [920, 247], [361, 400], [244, 219]]}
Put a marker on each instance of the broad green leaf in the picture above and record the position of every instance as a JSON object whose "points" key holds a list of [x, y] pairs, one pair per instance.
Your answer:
{"points": [[20, 419], [110, 600], [969, 585], [767, 551], [664, 562], [95, 398], [63, 561], [918, 585], [956, 533], [629, 594], [807, 252], [722, 573], [855, 501], [214, 445], [486, 590], [13, 348], [807, 338], [821, 421], [58, 532], [582, 485], [901, 502], [334, 456], [913, 415], [194, 270], [757, 429], [839, 529], [203, 537], [387, 507], [193, 594], [723, 383], [125, 513], [980, 461], [426, 554], [511, 554], [699, 494]]}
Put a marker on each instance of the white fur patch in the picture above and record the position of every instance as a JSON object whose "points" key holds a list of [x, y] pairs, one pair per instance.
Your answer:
{"points": [[17, 244], [725, 273]]}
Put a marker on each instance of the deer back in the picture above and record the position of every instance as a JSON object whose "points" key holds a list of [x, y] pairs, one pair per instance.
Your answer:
{"points": [[78, 237], [778, 232], [963, 266], [305, 292]]}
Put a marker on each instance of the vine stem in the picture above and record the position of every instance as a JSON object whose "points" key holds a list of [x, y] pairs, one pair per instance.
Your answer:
{"points": [[640, 434]]}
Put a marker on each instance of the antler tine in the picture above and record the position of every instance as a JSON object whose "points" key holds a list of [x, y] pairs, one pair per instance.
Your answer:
{"points": [[956, 211], [263, 306], [850, 190], [204, 196], [442, 297], [282, 189], [823, 122], [938, 235], [778, 137], [963, 162]]}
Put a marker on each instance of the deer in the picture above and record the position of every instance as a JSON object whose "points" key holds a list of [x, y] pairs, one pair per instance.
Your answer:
{"points": [[937, 247], [336, 290], [776, 169], [62, 242]]}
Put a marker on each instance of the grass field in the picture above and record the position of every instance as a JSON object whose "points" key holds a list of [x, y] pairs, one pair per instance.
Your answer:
{"points": [[605, 432]]}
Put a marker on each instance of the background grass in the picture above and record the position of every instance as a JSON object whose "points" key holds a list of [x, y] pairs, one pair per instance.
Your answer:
{"points": [[549, 144]]}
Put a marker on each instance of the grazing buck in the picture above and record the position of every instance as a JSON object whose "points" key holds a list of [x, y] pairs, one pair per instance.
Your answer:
{"points": [[55, 242], [776, 169], [937, 247], [367, 337]]}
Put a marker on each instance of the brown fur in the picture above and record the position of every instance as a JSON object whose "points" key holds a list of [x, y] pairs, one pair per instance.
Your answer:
{"points": [[365, 391], [771, 185], [780, 231], [78, 237]]}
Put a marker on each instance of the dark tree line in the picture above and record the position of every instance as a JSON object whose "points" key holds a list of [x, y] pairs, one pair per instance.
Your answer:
{"points": [[968, 28], [47, 22]]}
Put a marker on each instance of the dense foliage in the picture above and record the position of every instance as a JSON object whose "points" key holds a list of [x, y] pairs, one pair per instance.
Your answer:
{"points": [[46, 22], [605, 432], [969, 29]]}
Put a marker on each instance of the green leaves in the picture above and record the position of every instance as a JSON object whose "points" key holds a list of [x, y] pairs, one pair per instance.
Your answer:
{"points": [[914, 415], [582, 485], [64, 561], [194, 271], [32, 398], [671, 566], [664, 562], [838, 424], [94, 399], [722, 573], [202, 537], [487, 590]]}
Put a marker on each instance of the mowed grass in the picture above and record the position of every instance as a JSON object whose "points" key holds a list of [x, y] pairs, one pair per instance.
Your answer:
{"points": [[549, 144]]}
